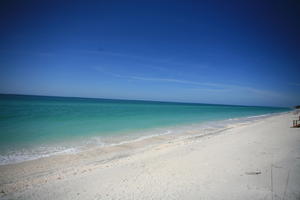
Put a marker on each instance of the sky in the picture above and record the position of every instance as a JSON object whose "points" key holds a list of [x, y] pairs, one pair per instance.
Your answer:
{"points": [[221, 52]]}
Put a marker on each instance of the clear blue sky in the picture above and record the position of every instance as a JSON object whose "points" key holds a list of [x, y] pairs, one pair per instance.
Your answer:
{"points": [[225, 52]]}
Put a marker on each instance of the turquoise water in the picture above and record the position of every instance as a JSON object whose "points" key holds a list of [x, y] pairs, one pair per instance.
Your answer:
{"points": [[29, 123]]}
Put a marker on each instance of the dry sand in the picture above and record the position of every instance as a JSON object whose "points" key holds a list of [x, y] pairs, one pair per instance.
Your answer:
{"points": [[260, 160]]}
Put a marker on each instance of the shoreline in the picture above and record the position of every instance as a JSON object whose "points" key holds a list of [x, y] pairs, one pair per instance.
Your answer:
{"points": [[183, 157], [170, 133]]}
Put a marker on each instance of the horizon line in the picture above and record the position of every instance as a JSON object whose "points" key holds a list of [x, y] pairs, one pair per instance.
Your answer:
{"points": [[157, 101]]}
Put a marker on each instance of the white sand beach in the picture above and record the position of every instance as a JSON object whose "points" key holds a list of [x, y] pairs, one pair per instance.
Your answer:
{"points": [[260, 160]]}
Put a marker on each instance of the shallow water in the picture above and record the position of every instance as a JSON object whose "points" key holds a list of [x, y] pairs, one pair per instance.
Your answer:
{"points": [[37, 126]]}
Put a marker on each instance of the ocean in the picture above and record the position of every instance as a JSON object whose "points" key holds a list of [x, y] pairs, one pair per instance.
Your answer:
{"points": [[37, 126]]}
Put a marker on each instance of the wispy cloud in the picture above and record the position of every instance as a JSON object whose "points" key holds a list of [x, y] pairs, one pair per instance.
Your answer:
{"points": [[211, 87], [205, 91], [146, 59], [295, 84], [208, 86], [165, 80]]}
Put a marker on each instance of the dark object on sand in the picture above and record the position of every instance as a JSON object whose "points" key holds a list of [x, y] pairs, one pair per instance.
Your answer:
{"points": [[297, 107], [296, 124], [253, 173]]}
